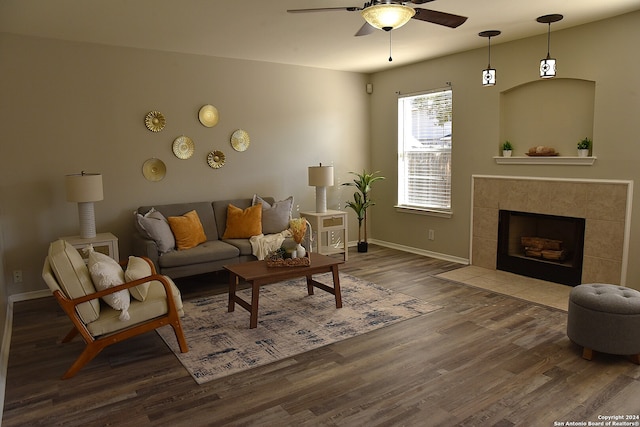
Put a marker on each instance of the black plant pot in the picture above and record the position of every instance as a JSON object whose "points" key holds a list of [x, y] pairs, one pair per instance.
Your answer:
{"points": [[363, 246]]}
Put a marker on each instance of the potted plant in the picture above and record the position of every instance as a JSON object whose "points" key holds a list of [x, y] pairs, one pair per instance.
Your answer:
{"points": [[361, 202], [507, 149], [583, 147]]}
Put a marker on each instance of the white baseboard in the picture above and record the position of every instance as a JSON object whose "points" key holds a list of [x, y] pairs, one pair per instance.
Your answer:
{"points": [[417, 251]]}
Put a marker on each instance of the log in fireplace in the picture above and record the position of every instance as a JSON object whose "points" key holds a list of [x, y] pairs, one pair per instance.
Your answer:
{"points": [[546, 247]]}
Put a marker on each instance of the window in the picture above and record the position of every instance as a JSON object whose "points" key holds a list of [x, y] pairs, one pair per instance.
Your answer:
{"points": [[424, 151]]}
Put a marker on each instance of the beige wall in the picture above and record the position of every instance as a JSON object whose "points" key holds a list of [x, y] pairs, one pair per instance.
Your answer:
{"points": [[67, 107], [601, 52]]}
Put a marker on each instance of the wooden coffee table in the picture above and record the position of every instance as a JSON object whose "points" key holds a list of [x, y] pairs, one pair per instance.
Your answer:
{"points": [[256, 273]]}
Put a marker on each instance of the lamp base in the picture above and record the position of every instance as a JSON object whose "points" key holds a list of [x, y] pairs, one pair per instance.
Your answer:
{"points": [[87, 220], [321, 199]]}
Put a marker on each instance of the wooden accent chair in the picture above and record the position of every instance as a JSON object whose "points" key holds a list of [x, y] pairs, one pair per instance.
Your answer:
{"points": [[69, 279]]}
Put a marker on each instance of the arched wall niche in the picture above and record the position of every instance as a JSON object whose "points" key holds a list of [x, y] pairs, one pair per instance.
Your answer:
{"points": [[556, 113]]}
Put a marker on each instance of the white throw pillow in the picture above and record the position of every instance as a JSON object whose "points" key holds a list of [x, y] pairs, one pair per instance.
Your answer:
{"points": [[137, 268], [107, 273]]}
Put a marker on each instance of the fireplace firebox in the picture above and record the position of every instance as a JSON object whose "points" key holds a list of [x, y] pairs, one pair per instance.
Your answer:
{"points": [[546, 247]]}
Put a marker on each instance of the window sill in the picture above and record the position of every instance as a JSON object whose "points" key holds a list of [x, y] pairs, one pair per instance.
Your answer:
{"points": [[423, 211], [543, 160]]}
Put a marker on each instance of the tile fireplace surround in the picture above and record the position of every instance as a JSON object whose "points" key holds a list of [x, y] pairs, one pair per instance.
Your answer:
{"points": [[604, 204]]}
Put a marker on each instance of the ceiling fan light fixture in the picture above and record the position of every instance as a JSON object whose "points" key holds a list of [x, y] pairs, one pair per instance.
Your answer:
{"points": [[387, 16], [548, 64]]}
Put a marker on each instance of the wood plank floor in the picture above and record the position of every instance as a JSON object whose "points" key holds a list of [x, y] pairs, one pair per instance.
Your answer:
{"points": [[483, 359]]}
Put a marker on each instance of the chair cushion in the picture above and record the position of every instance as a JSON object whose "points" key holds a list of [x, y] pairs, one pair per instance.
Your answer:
{"points": [[243, 223], [276, 216], [187, 230], [155, 305], [73, 278], [137, 268]]}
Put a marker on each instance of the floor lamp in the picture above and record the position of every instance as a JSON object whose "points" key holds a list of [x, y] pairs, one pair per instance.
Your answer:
{"points": [[85, 188], [321, 177]]}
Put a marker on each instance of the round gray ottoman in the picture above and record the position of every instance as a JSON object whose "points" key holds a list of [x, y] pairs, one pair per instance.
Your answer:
{"points": [[605, 318]]}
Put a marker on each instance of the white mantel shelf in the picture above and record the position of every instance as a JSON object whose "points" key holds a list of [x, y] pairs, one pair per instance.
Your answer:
{"points": [[546, 160]]}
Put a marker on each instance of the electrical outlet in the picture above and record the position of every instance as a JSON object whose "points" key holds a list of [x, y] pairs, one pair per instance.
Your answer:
{"points": [[432, 235], [17, 276]]}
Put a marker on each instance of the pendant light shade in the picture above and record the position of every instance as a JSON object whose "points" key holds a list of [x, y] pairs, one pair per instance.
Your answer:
{"points": [[489, 74], [548, 64], [388, 17]]}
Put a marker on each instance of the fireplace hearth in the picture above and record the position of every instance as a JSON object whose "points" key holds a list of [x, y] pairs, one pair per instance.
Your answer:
{"points": [[546, 247]]}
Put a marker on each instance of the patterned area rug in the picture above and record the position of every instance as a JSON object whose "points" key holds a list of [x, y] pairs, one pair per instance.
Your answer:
{"points": [[290, 322]]}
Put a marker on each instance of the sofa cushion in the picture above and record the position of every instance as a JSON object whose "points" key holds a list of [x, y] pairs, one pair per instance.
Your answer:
{"points": [[187, 230], [155, 305], [107, 273], [220, 208], [205, 213], [276, 216], [243, 223], [211, 250], [138, 268], [73, 278], [153, 225], [243, 245]]}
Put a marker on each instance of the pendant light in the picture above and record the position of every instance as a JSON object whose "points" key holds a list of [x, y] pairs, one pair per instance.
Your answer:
{"points": [[548, 64], [489, 74]]}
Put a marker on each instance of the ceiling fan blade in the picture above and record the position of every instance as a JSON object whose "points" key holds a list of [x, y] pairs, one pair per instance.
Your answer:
{"points": [[365, 30], [324, 9], [440, 18], [421, 1]]}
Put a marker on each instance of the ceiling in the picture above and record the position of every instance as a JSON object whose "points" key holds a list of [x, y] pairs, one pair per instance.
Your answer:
{"points": [[262, 30]]}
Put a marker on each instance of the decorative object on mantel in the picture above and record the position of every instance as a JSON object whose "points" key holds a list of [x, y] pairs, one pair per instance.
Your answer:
{"points": [[85, 188], [240, 140], [216, 159], [489, 74], [542, 151], [361, 203], [183, 147], [507, 149], [583, 147], [208, 115], [548, 64], [154, 121], [154, 169]]}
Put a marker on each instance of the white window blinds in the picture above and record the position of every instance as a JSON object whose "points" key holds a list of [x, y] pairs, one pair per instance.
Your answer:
{"points": [[424, 150]]}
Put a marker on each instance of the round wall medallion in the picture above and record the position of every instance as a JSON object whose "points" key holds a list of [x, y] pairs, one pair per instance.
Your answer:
{"points": [[183, 147], [240, 140], [154, 169], [208, 116], [155, 121], [215, 159]]}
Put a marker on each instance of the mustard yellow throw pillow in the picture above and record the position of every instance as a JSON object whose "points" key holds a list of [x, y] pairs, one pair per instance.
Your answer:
{"points": [[187, 229], [242, 224]]}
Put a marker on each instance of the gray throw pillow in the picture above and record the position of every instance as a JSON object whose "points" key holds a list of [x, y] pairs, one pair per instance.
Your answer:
{"points": [[155, 226], [276, 217]]}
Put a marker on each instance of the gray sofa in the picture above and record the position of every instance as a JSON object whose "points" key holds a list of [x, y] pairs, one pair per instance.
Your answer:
{"points": [[209, 256]]}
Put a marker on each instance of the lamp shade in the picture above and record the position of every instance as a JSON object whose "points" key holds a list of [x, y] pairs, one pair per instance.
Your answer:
{"points": [[388, 16], [84, 187], [320, 176]]}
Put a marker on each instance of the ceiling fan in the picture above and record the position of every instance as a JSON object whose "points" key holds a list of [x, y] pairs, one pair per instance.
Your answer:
{"points": [[388, 15]]}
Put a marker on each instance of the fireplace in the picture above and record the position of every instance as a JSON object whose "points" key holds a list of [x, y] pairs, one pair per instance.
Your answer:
{"points": [[547, 247]]}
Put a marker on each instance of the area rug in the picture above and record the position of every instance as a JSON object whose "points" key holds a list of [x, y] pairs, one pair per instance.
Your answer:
{"points": [[290, 322]]}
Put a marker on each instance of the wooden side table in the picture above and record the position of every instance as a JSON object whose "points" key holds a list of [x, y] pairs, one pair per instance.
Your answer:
{"points": [[105, 243], [324, 223]]}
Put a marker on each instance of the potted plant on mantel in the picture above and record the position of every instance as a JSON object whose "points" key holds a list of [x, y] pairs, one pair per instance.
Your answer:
{"points": [[507, 149], [361, 203], [583, 147]]}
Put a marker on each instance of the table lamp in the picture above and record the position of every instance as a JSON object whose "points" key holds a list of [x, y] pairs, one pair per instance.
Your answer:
{"points": [[85, 188], [321, 177]]}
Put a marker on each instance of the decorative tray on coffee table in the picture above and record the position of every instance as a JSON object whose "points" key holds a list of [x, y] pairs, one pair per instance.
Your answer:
{"points": [[276, 260]]}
